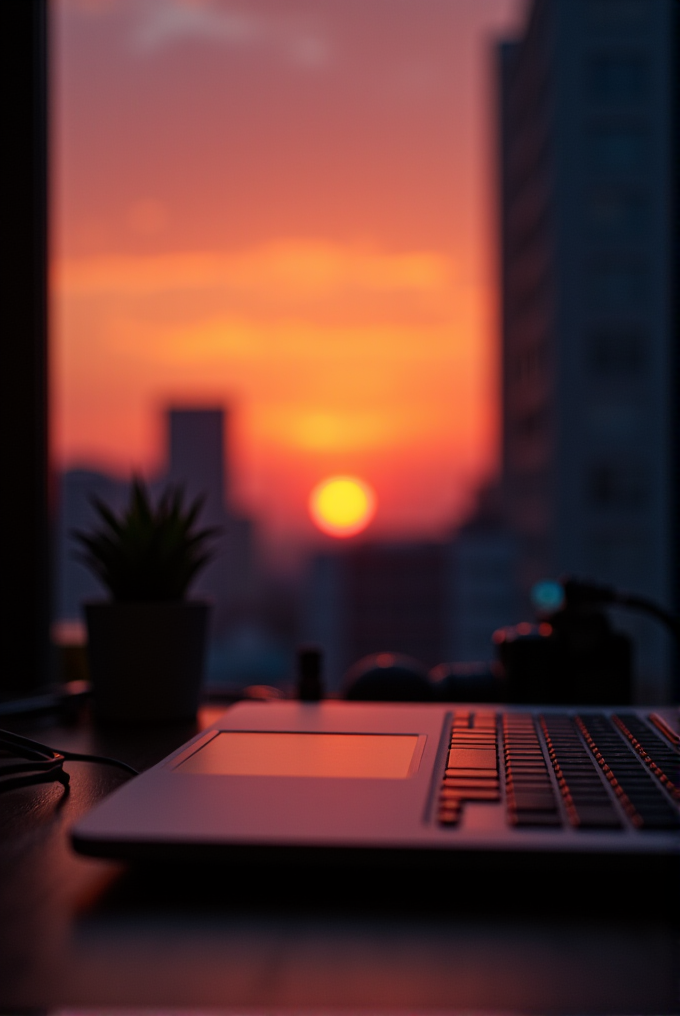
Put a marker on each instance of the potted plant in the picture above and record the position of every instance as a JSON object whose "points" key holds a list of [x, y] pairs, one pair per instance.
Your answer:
{"points": [[146, 645]]}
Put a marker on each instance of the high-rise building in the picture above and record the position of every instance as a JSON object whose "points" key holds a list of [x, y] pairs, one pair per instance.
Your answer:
{"points": [[586, 147], [197, 461], [482, 592], [372, 598], [438, 602], [196, 457]]}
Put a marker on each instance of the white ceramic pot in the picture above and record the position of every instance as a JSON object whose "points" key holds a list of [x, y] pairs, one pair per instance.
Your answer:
{"points": [[146, 660]]}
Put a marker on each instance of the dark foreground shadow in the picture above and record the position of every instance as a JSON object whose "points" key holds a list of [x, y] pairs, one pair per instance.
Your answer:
{"points": [[475, 885]]}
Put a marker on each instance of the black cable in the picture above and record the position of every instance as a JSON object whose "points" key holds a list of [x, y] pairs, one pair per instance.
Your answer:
{"points": [[9, 766], [37, 749], [579, 593], [76, 756], [41, 763], [649, 607]]}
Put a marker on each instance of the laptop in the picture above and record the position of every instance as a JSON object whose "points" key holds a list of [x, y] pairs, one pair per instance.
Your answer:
{"points": [[403, 782]]}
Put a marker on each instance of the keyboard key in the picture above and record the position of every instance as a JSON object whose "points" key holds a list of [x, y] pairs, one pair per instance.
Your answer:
{"points": [[471, 758], [531, 776], [659, 757], [628, 771], [665, 820], [472, 766], [482, 774], [535, 818], [447, 817], [453, 784], [534, 801], [528, 783], [597, 817], [586, 799], [481, 794]]}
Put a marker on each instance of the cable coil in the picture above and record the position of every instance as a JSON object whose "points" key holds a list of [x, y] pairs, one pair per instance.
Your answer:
{"points": [[24, 762]]}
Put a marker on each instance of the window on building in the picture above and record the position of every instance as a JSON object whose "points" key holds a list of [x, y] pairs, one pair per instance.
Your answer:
{"points": [[613, 14], [529, 364], [614, 285], [617, 148], [616, 486], [616, 77], [618, 554], [615, 214], [532, 424], [616, 353]]}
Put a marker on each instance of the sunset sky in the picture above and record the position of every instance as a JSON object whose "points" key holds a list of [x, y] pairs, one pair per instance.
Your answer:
{"points": [[286, 207]]}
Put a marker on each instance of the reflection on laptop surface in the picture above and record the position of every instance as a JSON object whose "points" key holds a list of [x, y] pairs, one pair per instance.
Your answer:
{"points": [[408, 779]]}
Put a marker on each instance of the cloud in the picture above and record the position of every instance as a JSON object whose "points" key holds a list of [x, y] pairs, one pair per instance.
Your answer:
{"points": [[168, 22], [320, 430], [331, 350], [310, 389], [161, 24], [284, 270]]}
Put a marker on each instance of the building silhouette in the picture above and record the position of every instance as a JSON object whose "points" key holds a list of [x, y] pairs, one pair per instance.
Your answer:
{"points": [[586, 140], [378, 597], [482, 591], [435, 601], [74, 583], [196, 456]]}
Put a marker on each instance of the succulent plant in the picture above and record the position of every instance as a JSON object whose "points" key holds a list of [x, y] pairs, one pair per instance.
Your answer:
{"points": [[147, 553]]}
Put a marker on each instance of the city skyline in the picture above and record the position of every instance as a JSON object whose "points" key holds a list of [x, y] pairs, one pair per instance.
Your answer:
{"points": [[330, 276]]}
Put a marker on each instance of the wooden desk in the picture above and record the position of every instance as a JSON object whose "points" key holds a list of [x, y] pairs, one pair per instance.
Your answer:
{"points": [[78, 932]]}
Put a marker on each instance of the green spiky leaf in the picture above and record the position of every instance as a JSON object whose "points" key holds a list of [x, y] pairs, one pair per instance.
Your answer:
{"points": [[147, 553]]}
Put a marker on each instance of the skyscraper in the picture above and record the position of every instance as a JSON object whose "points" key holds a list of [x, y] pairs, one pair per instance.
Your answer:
{"points": [[198, 461], [196, 457], [586, 135]]}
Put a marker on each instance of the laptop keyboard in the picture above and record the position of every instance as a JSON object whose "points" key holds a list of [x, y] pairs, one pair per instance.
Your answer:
{"points": [[588, 771], [587, 800], [531, 798]]}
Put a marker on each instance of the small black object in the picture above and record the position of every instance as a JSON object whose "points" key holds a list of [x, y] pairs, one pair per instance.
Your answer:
{"points": [[24, 762], [576, 658], [388, 677], [467, 682], [310, 677], [573, 654]]}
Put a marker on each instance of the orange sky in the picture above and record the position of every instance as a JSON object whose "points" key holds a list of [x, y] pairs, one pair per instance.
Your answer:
{"points": [[286, 207]]}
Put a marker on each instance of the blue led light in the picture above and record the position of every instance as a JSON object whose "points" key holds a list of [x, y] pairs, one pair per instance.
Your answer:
{"points": [[547, 596]]}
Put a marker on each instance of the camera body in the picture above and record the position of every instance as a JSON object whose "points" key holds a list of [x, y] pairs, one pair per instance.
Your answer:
{"points": [[574, 657], [571, 655]]}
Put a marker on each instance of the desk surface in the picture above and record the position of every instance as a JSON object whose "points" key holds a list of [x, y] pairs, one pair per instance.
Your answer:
{"points": [[76, 932]]}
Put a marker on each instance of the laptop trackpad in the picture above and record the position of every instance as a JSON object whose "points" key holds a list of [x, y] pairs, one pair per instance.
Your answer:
{"points": [[274, 753]]}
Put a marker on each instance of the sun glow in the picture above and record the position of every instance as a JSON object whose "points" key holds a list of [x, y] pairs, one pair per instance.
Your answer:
{"points": [[342, 309], [342, 506]]}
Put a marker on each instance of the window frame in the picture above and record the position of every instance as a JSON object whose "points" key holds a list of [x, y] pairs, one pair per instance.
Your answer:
{"points": [[25, 583]]}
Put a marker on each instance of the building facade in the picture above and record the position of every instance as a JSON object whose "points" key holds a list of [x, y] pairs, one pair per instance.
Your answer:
{"points": [[586, 210], [197, 460]]}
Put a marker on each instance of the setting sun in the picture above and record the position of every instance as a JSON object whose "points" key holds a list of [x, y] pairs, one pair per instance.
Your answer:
{"points": [[342, 505], [341, 307]]}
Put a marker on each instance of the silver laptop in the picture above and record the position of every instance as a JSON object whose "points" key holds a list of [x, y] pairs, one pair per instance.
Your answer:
{"points": [[364, 780]]}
